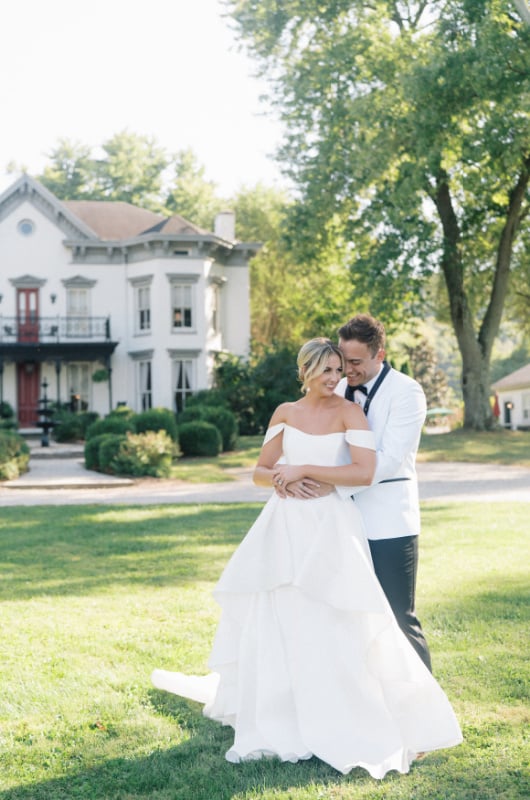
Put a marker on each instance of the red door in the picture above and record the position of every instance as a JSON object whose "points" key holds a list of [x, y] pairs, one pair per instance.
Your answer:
{"points": [[28, 315], [28, 388]]}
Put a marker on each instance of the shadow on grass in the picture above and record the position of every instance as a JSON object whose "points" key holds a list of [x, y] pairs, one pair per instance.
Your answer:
{"points": [[84, 550], [197, 770]]}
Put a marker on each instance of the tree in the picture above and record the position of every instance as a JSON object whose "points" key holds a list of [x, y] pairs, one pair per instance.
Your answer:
{"points": [[191, 194], [409, 122], [72, 172], [132, 170], [294, 295]]}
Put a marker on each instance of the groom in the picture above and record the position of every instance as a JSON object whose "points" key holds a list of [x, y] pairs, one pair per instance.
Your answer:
{"points": [[395, 407]]}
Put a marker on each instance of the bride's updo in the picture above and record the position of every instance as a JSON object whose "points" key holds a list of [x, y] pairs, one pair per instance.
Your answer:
{"points": [[313, 358]]}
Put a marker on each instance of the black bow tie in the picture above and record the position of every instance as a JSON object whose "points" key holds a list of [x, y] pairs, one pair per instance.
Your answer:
{"points": [[350, 390]]}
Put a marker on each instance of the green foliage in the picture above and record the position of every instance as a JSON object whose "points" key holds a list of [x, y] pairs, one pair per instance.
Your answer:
{"points": [[92, 450], [223, 419], [408, 136], [108, 448], [113, 423], [254, 389], [8, 420], [122, 411], [191, 195], [14, 455], [199, 438], [150, 453], [156, 419], [69, 426]]}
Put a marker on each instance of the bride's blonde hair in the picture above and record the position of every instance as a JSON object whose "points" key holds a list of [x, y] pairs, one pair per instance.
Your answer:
{"points": [[313, 358]]}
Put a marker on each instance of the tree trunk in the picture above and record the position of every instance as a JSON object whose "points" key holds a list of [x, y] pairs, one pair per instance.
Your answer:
{"points": [[476, 350]]}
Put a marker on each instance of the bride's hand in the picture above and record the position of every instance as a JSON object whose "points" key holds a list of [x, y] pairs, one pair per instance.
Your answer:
{"points": [[284, 474]]}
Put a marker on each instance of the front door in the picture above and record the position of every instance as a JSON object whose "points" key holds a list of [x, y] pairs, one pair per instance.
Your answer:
{"points": [[28, 315], [28, 388]]}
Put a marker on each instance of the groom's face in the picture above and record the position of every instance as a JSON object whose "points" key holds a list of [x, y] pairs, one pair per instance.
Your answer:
{"points": [[361, 365]]}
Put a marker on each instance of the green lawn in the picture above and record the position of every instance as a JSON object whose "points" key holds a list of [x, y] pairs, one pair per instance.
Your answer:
{"points": [[94, 597], [496, 447]]}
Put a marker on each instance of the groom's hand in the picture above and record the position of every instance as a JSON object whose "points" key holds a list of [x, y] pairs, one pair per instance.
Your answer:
{"points": [[304, 489]]}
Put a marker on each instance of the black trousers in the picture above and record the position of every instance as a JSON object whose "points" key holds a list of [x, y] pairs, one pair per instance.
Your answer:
{"points": [[396, 566]]}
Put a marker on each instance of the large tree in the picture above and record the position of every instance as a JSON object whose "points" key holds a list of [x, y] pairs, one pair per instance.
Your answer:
{"points": [[410, 122]]}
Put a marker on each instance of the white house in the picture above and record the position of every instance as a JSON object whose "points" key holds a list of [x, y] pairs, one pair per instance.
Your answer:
{"points": [[87, 286], [513, 392]]}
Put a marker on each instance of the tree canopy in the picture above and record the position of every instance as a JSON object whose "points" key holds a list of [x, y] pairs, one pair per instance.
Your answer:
{"points": [[408, 125]]}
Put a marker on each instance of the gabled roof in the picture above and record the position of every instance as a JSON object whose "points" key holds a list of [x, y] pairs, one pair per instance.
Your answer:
{"points": [[114, 220], [519, 379], [28, 189], [105, 220]]}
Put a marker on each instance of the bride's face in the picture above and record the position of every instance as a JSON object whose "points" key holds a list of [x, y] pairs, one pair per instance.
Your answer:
{"points": [[325, 384]]}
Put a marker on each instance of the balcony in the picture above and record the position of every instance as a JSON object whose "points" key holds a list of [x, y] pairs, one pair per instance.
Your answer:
{"points": [[52, 338], [54, 330]]}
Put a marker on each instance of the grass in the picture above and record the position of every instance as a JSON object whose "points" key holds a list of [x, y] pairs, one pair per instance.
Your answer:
{"points": [[94, 597], [496, 447], [207, 470]]}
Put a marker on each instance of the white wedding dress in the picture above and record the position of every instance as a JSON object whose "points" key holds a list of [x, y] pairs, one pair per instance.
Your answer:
{"points": [[308, 659]]}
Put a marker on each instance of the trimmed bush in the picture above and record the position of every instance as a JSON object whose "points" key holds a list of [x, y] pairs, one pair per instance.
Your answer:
{"points": [[114, 423], [92, 450], [69, 426], [14, 455], [199, 439], [150, 453], [7, 417], [108, 449], [156, 419], [122, 411], [223, 419], [207, 397]]}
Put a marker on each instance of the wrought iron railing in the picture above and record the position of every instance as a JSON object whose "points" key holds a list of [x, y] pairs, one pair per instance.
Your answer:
{"points": [[53, 329]]}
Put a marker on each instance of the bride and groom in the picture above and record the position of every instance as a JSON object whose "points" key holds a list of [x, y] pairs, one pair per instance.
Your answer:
{"points": [[319, 651]]}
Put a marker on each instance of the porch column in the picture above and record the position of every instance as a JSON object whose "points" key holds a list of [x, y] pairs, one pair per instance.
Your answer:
{"points": [[58, 380]]}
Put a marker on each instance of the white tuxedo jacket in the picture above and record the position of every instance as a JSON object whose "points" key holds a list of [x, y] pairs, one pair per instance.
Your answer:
{"points": [[396, 416]]}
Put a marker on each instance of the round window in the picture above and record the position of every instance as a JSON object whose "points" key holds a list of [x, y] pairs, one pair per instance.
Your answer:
{"points": [[26, 227]]}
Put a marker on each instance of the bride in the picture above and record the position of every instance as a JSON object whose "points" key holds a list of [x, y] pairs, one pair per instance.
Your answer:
{"points": [[308, 659]]}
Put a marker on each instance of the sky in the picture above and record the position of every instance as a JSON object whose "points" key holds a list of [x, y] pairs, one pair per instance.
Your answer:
{"points": [[170, 69]]}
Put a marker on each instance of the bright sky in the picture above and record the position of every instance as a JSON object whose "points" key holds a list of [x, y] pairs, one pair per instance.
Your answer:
{"points": [[163, 68]]}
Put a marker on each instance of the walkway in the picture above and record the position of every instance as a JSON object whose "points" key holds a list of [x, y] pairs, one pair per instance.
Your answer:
{"points": [[57, 477]]}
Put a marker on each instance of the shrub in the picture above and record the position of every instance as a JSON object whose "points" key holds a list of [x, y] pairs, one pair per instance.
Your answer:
{"points": [[156, 419], [14, 455], [207, 397], [223, 419], [122, 411], [150, 453], [108, 449], [7, 417], [114, 423], [199, 439], [92, 450], [71, 427]]}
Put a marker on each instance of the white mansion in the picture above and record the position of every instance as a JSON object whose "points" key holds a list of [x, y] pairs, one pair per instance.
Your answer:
{"points": [[139, 300]]}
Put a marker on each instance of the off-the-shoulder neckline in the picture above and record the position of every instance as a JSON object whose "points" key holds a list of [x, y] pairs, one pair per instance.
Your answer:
{"points": [[306, 433]]}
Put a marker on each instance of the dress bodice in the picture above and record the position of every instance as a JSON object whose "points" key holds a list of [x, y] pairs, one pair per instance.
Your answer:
{"points": [[328, 449]]}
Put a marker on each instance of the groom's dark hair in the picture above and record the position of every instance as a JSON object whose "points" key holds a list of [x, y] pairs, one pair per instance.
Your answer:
{"points": [[364, 328]]}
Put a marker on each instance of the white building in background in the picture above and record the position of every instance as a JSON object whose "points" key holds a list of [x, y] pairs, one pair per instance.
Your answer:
{"points": [[88, 286], [513, 394]]}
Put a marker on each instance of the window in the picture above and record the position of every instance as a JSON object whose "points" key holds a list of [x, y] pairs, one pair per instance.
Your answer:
{"points": [[26, 227], [183, 381], [216, 319], [526, 405], [77, 312], [145, 398], [182, 306], [143, 309], [78, 377]]}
